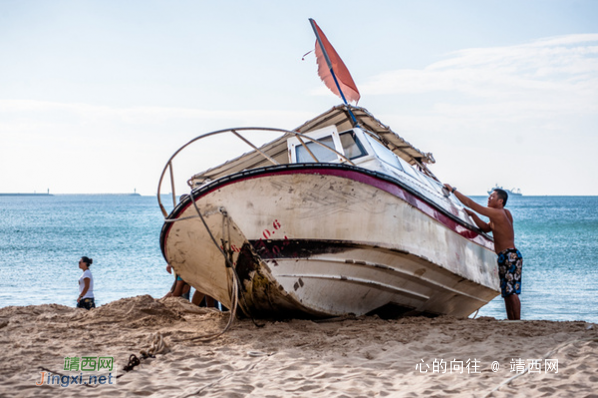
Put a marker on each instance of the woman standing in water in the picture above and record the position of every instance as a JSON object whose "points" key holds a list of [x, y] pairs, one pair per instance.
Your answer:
{"points": [[85, 299]]}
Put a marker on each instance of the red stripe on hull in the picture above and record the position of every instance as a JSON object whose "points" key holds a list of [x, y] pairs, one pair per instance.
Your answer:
{"points": [[379, 183]]}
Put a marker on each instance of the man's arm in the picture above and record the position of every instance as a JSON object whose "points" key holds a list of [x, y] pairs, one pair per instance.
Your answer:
{"points": [[486, 211], [484, 226]]}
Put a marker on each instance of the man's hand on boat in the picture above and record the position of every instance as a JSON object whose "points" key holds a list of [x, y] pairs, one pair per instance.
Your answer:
{"points": [[470, 212], [449, 188]]}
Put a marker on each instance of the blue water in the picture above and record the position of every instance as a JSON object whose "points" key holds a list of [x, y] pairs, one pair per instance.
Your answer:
{"points": [[42, 239], [558, 238]]}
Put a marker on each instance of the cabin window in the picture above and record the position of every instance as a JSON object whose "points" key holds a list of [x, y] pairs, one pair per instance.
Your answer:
{"points": [[352, 147], [385, 154], [433, 183], [409, 169], [321, 153]]}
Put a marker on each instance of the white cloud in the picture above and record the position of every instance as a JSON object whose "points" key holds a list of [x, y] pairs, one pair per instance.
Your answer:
{"points": [[529, 102], [75, 147], [555, 74], [534, 106], [35, 108]]}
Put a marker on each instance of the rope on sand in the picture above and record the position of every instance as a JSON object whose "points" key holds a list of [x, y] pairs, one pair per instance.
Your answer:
{"points": [[248, 368], [157, 346], [212, 336], [544, 357], [259, 353]]}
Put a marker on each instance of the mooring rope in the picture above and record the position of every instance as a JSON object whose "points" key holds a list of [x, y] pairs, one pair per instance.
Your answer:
{"points": [[235, 280], [157, 346], [246, 369]]}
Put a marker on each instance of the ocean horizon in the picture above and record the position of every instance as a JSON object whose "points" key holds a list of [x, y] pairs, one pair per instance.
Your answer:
{"points": [[41, 241]]}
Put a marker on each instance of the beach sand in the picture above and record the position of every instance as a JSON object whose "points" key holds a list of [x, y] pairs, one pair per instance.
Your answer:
{"points": [[360, 357]]}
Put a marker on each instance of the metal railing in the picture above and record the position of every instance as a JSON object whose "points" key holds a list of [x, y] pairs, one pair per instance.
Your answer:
{"points": [[235, 131]]}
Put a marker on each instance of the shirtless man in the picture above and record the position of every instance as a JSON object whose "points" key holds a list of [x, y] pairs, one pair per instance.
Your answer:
{"points": [[509, 260]]}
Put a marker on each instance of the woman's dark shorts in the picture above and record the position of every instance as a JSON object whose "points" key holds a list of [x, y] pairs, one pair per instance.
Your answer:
{"points": [[510, 262], [87, 303]]}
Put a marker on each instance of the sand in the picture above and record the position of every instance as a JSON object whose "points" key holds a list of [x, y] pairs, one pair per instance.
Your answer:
{"points": [[358, 357]]}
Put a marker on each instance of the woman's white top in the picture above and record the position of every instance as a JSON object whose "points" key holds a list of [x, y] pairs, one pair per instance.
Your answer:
{"points": [[86, 274]]}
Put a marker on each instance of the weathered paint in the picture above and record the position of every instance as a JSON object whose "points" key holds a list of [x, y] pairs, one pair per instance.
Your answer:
{"points": [[325, 242]]}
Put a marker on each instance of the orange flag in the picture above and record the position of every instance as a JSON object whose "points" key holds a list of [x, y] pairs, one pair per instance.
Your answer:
{"points": [[328, 60]]}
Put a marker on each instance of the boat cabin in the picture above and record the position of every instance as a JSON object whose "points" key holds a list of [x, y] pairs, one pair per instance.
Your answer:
{"points": [[333, 138]]}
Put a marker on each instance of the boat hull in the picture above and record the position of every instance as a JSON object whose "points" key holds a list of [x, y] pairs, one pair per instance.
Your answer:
{"points": [[319, 241]]}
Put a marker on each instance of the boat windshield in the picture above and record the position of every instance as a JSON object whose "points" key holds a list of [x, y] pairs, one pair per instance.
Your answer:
{"points": [[385, 154], [352, 146], [321, 153]]}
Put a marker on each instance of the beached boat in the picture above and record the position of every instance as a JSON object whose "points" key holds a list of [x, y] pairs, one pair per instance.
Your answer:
{"points": [[332, 218], [338, 216]]}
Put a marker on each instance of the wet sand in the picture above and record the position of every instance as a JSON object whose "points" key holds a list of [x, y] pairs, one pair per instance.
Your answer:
{"points": [[359, 357]]}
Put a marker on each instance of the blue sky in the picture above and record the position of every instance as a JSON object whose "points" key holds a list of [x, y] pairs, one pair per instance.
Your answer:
{"points": [[96, 95]]}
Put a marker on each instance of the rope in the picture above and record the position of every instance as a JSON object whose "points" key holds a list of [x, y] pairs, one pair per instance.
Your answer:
{"points": [[226, 242], [157, 346], [248, 368], [259, 354], [544, 357], [235, 285], [236, 280], [133, 361]]}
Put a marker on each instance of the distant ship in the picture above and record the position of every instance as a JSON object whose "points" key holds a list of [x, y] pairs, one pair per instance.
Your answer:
{"points": [[510, 192]]}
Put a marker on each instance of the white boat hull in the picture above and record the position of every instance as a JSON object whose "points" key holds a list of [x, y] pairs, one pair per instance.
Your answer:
{"points": [[317, 241]]}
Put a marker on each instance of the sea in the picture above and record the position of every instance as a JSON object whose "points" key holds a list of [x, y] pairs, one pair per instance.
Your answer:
{"points": [[42, 238]]}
